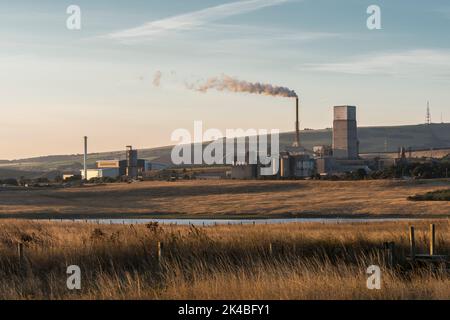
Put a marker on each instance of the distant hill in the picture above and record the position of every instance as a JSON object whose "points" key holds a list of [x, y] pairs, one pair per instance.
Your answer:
{"points": [[6, 173], [372, 139]]}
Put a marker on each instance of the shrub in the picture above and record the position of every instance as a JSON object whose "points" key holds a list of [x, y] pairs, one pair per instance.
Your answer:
{"points": [[9, 182], [439, 195]]}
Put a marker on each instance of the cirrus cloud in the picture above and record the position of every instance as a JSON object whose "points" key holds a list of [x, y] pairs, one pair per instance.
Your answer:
{"points": [[193, 19], [421, 61]]}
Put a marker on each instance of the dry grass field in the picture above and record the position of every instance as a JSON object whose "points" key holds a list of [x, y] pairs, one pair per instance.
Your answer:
{"points": [[228, 198], [306, 261]]}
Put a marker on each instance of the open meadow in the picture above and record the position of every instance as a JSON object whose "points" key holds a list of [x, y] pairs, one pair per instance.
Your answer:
{"points": [[228, 198], [289, 261], [256, 261]]}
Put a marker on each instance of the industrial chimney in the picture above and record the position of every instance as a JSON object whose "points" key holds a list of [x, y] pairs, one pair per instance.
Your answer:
{"points": [[85, 157], [296, 143]]}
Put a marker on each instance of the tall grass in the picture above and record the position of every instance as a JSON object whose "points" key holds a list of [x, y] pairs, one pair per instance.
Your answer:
{"points": [[291, 261]]}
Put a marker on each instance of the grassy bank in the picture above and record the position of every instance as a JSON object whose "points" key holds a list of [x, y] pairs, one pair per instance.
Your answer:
{"points": [[294, 261]]}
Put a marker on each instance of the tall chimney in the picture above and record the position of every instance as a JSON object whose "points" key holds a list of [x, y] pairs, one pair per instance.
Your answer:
{"points": [[85, 157], [297, 125]]}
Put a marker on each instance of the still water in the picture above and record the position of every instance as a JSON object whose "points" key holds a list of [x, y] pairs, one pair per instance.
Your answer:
{"points": [[213, 222]]}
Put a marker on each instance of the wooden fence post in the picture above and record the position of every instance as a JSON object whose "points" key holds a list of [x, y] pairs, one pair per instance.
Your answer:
{"points": [[391, 254], [270, 248], [159, 252], [412, 243], [432, 239], [20, 252]]}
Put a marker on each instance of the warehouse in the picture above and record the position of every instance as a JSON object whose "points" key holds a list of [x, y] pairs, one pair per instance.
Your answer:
{"points": [[131, 168], [100, 173]]}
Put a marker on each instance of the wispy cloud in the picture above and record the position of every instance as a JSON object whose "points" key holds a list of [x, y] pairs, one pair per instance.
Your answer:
{"points": [[194, 19], [249, 33], [257, 40], [426, 62]]}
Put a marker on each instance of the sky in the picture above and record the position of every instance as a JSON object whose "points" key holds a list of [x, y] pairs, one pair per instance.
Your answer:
{"points": [[124, 78]]}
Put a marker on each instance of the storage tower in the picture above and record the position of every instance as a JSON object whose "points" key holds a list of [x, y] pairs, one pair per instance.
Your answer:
{"points": [[132, 163], [345, 133]]}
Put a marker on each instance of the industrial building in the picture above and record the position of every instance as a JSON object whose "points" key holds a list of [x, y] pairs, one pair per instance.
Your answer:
{"points": [[100, 173], [293, 165], [245, 171], [294, 162], [322, 151], [71, 175], [120, 165], [141, 167], [131, 168], [341, 156]]}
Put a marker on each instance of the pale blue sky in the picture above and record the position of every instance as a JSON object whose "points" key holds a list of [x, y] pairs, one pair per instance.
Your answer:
{"points": [[58, 85]]}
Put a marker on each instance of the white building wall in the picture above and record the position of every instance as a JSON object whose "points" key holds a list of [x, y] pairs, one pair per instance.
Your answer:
{"points": [[101, 173]]}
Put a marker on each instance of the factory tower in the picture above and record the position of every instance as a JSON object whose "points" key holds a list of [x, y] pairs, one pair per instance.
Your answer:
{"points": [[345, 133]]}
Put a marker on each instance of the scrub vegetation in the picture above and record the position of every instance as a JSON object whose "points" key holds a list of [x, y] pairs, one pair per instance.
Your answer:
{"points": [[439, 195]]}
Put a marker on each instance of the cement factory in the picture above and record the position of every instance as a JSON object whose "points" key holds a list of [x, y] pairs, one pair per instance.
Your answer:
{"points": [[297, 162], [339, 157], [294, 162]]}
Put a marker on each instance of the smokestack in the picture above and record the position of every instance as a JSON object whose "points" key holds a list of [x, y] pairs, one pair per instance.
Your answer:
{"points": [[297, 125], [85, 157]]}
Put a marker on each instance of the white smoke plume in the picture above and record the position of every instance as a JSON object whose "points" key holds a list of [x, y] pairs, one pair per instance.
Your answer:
{"points": [[157, 78], [227, 83]]}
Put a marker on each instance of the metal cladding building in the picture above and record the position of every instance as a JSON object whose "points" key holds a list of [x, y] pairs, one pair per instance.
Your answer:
{"points": [[296, 165], [120, 165], [345, 133], [131, 168]]}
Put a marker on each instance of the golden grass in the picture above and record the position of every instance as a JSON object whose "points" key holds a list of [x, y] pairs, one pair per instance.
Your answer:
{"points": [[308, 261], [229, 198]]}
